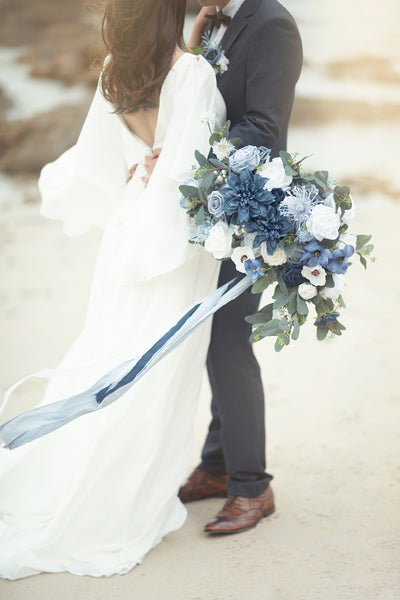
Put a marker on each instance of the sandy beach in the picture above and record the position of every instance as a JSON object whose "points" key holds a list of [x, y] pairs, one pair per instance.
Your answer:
{"points": [[333, 407], [333, 410]]}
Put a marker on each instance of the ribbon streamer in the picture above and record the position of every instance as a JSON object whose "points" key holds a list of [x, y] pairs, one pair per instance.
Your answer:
{"points": [[39, 421]]}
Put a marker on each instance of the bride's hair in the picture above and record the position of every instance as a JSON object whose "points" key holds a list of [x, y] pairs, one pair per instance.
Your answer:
{"points": [[140, 37]]}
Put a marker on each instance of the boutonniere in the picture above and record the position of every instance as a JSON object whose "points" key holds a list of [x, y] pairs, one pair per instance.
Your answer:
{"points": [[213, 53]]}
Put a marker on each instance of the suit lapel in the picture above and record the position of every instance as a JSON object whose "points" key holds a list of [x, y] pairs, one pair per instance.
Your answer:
{"points": [[238, 23]]}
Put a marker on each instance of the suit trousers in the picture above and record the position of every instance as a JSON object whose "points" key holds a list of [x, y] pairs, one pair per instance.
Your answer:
{"points": [[235, 443]]}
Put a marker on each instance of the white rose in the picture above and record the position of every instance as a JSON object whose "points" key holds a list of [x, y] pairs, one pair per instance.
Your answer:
{"points": [[330, 201], [317, 274], [334, 292], [307, 291], [275, 171], [219, 241], [349, 215], [239, 255], [277, 258], [323, 223]]}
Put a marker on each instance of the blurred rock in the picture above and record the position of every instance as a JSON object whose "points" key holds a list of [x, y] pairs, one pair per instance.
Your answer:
{"points": [[61, 36], [318, 111], [26, 146], [4, 105], [369, 68]]}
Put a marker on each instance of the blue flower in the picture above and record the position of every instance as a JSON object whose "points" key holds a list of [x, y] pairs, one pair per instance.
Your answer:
{"points": [[291, 274], [213, 54], [304, 236], [245, 197], [253, 268], [215, 203], [338, 262], [270, 228], [326, 320], [279, 195], [245, 158], [316, 254], [264, 152]]}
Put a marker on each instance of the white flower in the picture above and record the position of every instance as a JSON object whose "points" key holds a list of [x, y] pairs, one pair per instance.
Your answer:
{"points": [[307, 291], [239, 255], [277, 258], [223, 63], [219, 241], [275, 171], [349, 215], [323, 223], [334, 292], [330, 201], [223, 148], [317, 274], [208, 117]]}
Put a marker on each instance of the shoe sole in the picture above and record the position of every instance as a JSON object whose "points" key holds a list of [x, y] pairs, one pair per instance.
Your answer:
{"points": [[265, 514]]}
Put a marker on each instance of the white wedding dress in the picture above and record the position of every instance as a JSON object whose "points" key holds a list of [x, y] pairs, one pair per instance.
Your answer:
{"points": [[94, 497]]}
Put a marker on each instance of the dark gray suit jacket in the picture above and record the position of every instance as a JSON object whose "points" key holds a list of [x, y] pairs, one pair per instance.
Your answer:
{"points": [[265, 52]]}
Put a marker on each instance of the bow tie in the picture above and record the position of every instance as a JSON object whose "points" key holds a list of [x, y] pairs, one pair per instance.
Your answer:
{"points": [[219, 19]]}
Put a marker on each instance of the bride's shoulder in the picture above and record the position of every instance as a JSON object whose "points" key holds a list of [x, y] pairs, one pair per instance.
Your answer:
{"points": [[191, 64]]}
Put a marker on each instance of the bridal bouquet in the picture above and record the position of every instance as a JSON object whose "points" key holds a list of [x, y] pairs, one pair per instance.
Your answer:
{"points": [[279, 224]]}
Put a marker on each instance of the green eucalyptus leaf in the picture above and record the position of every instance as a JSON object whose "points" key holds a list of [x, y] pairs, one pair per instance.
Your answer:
{"points": [[362, 240], [262, 316], [201, 159], [261, 284], [272, 328], [293, 302], [189, 191], [199, 216], [281, 301], [302, 307], [296, 329], [321, 333]]}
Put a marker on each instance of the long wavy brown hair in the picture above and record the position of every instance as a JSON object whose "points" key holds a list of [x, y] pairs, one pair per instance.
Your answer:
{"points": [[140, 37]]}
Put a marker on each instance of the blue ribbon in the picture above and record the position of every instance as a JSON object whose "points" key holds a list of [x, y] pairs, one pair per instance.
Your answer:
{"points": [[39, 421]]}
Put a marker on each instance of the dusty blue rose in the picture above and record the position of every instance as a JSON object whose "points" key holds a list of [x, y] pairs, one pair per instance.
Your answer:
{"points": [[212, 55], [215, 203], [245, 158]]}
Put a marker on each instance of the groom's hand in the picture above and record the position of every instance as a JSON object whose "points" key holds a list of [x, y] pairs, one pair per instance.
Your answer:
{"points": [[150, 164]]}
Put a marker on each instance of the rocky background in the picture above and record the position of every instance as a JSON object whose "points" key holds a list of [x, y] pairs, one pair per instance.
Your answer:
{"points": [[57, 43]]}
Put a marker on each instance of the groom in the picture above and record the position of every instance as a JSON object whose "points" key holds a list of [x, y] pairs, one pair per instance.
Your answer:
{"points": [[263, 45]]}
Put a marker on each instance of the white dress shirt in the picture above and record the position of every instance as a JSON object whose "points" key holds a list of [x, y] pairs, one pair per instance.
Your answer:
{"points": [[230, 10]]}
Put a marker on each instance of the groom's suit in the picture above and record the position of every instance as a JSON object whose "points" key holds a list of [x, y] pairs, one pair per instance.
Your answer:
{"points": [[264, 49]]}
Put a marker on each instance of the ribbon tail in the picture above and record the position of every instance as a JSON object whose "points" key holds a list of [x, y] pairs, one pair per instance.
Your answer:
{"points": [[39, 421]]}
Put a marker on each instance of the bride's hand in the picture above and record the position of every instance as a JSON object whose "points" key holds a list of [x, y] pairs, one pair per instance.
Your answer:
{"points": [[199, 26], [150, 164]]}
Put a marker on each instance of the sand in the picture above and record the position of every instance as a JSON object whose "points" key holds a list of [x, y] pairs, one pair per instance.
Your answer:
{"points": [[333, 413]]}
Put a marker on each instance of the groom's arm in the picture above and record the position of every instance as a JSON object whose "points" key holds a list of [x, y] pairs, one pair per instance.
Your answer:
{"points": [[273, 67]]}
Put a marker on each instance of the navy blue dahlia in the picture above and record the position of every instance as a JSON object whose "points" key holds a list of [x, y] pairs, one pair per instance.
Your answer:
{"points": [[270, 228], [245, 197]]}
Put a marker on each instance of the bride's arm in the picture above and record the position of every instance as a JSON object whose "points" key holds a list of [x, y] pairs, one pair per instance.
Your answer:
{"points": [[199, 26]]}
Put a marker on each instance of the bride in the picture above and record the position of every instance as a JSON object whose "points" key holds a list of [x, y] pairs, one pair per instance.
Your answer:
{"points": [[94, 497]]}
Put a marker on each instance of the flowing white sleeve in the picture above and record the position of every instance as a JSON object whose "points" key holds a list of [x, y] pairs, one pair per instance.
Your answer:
{"points": [[158, 225], [81, 186]]}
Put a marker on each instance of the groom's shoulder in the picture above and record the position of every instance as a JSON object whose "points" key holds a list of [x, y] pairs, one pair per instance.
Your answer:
{"points": [[270, 11]]}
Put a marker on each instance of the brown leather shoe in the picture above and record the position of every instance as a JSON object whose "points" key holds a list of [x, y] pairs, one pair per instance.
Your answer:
{"points": [[202, 484], [240, 513]]}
